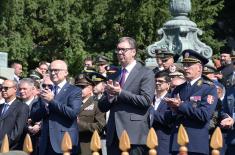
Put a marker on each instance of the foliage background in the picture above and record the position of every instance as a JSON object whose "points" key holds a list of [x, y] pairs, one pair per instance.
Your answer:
{"points": [[35, 30]]}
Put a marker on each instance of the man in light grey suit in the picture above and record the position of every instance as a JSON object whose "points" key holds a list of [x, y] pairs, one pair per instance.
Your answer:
{"points": [[128, 97]]}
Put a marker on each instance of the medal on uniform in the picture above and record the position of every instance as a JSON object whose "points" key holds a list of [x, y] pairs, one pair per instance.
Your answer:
{"points": [[195, 100]]}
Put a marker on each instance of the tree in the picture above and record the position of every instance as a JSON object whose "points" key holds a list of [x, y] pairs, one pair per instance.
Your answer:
{"points": [[34, 30]]}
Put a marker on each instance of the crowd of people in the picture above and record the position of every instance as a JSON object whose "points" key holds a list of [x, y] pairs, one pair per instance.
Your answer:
{"points": [[187, 89]]}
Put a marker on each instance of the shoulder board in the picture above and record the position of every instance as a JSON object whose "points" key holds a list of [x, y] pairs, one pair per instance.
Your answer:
{"points": [[208, 81]]}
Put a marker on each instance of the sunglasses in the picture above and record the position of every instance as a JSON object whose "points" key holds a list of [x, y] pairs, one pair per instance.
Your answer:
{"points": [[49, 86], [5, 88]]}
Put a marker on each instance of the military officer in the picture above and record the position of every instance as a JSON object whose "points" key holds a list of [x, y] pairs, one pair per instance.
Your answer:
{"points": [[102, 63], [192, 104], [89, 118], [167, 58], [99, 88]]}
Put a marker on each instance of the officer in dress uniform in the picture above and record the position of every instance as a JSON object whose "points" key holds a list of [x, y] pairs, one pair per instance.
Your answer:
{"points": [[99, 88], [89, 118], [167, 58], [192, 104], [102, 62]]}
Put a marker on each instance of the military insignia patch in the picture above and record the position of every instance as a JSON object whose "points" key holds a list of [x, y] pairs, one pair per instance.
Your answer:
{"points": [[90, 107], [210, 99], [199, 83], [81, 76], [186, 55], [195, 98], [93, 77], [172, 68]]}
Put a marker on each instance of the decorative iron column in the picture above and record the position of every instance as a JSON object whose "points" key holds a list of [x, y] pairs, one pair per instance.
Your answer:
{"points": [[180, 32]]}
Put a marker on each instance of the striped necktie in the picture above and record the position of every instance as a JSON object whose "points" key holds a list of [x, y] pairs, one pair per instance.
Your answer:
{"points": [[5, 108]]}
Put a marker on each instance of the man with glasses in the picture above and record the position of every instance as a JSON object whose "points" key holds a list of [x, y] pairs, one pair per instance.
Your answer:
{"points": [[128, 97], [161, 126], [2, 100], [59, 109], [13, 116], [192, 104]]}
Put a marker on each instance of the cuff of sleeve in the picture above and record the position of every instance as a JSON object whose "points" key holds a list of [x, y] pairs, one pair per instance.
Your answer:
{"points": [[183, 106]]}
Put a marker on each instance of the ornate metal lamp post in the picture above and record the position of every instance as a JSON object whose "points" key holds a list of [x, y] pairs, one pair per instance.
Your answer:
{"points": [[180, 32]]}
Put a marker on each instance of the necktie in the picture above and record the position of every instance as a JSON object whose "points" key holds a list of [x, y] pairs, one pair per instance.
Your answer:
{"points": [[5, 108], [123, 77], [188, 87], [55, 90]]}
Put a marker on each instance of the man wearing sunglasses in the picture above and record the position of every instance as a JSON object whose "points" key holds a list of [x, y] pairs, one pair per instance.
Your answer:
{"points": [[13, 115], [58, 108], [162, 127], [192, 104]]}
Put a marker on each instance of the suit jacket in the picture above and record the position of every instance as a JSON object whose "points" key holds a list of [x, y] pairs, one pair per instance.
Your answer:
{"points": [[59, 116], [129, 110], [199, 102], [13, 123], [229, 109], [162, 127]]}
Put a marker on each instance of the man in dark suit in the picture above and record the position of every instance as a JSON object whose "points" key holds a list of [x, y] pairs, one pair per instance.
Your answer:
{"points": [[14, 115], [128, 97], [59, 109], [26, 91], [192, 104], [162, 128], [228, 113]]}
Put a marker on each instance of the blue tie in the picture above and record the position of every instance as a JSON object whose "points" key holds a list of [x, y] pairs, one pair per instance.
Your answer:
{"points": [[5, 108], [55, 90]]}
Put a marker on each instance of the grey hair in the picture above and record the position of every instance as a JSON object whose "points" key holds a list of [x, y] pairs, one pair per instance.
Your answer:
{"points": [[130, 40], [29, 81]]}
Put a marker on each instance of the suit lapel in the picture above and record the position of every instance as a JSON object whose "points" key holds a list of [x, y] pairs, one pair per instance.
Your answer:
{"points": [[62, 92], [10, 109], [1, 107], [31, 104], [133, 74]]}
